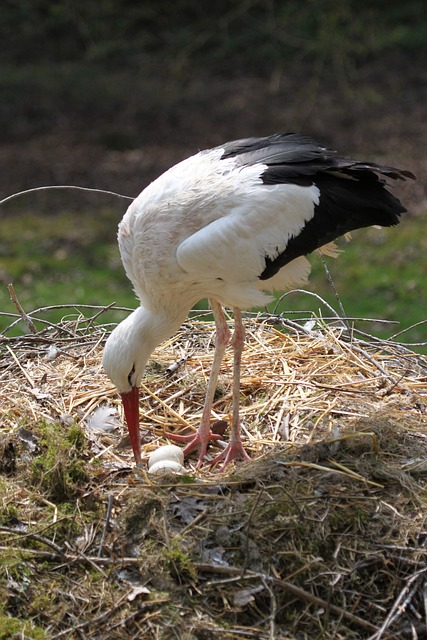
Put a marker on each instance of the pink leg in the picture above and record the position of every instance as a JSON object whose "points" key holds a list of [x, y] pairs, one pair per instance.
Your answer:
{"points": [[234, 450], [204, 435]]}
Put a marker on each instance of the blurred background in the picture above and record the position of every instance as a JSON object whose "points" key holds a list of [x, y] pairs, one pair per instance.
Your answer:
{"points": [[110, 93]]}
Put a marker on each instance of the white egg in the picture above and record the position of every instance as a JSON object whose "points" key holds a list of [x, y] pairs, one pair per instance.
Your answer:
{"points": [[163, 467], [167, 452]]}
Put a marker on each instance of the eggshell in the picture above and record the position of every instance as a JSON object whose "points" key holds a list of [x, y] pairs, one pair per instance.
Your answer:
{"points": [[167, 452], [162, 467]]}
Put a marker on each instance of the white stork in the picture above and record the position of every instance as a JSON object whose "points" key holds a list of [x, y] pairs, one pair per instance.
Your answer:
{"points": [[232, 224]]}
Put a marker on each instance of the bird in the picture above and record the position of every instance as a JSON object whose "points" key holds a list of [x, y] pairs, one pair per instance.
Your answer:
{"points": [[233, 224]]}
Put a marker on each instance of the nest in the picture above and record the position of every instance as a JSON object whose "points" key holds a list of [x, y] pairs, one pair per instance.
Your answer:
{"points": [[321, 534]]}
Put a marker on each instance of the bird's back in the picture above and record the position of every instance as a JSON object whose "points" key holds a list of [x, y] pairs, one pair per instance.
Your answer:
{"points": [[240, 214]]}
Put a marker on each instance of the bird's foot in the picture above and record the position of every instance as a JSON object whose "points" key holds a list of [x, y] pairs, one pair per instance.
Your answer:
{"points": [[200, 441], [195, 442], [233, 451]]}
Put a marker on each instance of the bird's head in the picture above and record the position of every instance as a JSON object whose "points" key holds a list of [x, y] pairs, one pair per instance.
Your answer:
{"points": [[125, 355]]}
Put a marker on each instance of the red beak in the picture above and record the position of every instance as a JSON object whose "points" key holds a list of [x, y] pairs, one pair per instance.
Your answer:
{"points": [[131, 407]]}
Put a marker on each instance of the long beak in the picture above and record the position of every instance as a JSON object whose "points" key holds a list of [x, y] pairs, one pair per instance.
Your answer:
{"points": [[131, 407]]}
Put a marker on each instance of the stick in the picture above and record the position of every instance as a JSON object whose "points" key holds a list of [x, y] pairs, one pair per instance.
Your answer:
{"points": [[64, 186], [30, 324], [334, 289], [296, 591], [107, 523]]}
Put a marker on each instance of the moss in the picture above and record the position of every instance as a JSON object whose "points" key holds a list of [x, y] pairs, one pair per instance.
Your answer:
{"points": [[143, 506], [15, 627], [9, 508], [11, 565], [179, 562], [59, 470]]}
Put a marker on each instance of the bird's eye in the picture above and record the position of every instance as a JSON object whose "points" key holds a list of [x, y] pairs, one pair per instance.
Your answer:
{"points": [[130, 375]]}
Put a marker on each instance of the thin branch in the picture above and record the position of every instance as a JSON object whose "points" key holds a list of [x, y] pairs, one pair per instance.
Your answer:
{"points": [[71, 557], [399, 606], [26, 318], [32, 536], [99, 313], [417, 324], [309, 293], [107, 614], [54, 307], [292, 588], [106, 524], [334, 289], [64, 186]]}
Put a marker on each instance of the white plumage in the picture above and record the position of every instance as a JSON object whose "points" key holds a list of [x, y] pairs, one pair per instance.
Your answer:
{"points": [[232, 224]]}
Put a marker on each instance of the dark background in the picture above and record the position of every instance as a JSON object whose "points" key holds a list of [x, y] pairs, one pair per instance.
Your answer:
{"points": [[110, 93], [107, 91]]}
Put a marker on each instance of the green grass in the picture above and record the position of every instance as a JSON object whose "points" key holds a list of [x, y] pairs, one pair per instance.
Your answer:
{"points": [[380, 274], [73, 258], [61, 259]]}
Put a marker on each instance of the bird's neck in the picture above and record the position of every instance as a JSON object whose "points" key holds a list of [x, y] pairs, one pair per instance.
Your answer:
{"points": [[147, 329], [155, 326]]}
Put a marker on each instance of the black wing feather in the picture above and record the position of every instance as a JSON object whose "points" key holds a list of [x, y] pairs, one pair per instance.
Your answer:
{"points": [[345, 205], [353, 194], [279, 149]]}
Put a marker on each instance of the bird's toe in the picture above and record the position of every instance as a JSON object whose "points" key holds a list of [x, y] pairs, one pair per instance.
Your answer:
{"points": [[195, 442], [233, 451]]}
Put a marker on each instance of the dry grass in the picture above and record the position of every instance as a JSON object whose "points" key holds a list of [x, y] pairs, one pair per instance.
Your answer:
{"points": [[321, 535]]}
